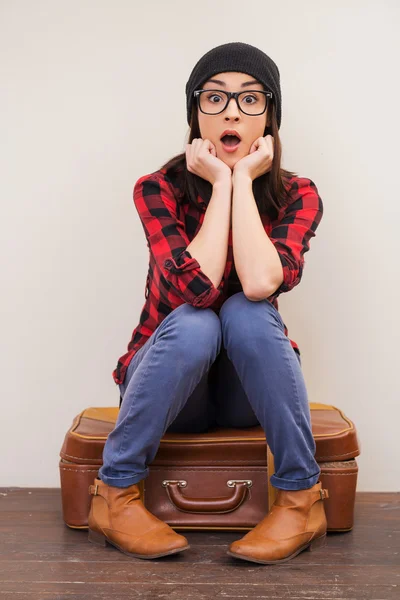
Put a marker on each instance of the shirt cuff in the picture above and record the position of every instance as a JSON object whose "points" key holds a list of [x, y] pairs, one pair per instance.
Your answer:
{"points": [[182, 262]]}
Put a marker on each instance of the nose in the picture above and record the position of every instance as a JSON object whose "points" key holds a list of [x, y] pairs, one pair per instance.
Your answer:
{"points": [[232, 110]]}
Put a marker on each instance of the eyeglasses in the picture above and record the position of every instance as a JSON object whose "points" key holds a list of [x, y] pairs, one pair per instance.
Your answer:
{"points": [[250, 102]]}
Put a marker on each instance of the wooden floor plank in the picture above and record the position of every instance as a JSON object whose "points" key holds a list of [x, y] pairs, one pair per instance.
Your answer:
{"points": [[43, 559], [151, 591]]}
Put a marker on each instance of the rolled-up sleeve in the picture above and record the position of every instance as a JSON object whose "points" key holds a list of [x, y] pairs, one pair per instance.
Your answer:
{"points": [[291, 236], [167, 241]]}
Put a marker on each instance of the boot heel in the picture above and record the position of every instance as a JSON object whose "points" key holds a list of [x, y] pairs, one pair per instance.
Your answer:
{"points": [[317, 543], [97, 538]]}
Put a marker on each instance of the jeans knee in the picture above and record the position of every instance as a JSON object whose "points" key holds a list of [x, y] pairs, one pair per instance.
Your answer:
{"points": [[233, 303], [247, 319], [200, 331]]}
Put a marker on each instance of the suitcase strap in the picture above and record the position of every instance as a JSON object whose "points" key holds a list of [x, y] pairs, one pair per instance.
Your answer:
{"points": [[315, 495], [93, 489]]}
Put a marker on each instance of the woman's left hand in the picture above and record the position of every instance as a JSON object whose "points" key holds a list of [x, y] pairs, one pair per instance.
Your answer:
{"points": [[259, 159]]}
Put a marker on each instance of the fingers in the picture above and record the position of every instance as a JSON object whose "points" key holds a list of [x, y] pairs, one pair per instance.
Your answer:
{"points": [[253, 148], [269, 139], [209, 147], [260, 143], [192, 149], [265, 144], [197, 157], [200, 145]]}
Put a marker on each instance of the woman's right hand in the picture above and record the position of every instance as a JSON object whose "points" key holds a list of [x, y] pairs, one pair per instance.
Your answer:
{"points": [[201, 159]]}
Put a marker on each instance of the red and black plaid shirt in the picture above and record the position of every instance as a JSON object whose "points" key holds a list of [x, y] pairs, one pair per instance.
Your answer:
{"points": [[174, 277]]}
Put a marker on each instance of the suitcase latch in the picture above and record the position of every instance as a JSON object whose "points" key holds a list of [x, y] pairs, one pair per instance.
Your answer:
{"points": [[233, 482], [180, 482]]}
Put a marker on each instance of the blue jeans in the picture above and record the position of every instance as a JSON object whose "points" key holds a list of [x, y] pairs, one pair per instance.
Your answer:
{"points": [[199, 369]]}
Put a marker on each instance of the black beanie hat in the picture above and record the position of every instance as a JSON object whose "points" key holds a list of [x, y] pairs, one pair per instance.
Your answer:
{"points": [[235, 56]]}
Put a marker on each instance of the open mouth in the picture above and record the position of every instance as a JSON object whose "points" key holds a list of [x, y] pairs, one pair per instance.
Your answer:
{"points": [[230, 142]]}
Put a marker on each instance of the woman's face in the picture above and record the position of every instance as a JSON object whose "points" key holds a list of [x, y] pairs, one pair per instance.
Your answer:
{"points": [[249, 127]]}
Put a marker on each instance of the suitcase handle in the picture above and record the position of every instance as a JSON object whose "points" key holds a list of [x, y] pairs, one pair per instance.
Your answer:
{"points": [[220, 504]]}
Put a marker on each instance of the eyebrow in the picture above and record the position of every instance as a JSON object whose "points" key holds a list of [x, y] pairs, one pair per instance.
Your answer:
{"points": [[219, 82]]}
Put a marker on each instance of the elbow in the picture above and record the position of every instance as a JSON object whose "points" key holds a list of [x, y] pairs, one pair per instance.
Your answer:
{"points": [[260, 292], [251, 295]]}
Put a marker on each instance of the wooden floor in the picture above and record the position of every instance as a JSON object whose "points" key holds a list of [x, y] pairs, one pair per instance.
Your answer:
{"points": [[41, 558]]}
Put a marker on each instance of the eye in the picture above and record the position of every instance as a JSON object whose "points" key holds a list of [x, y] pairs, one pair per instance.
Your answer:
{"points": [[250, 98], [213, 96]]}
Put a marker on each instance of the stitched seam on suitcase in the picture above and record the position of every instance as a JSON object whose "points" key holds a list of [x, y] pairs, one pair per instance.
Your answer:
{"points": [[191, 462], [79, 471], [178, 468], [214, 462]]}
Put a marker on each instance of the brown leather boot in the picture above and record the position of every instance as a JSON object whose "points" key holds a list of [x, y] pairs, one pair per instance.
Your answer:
{"points": [[119, 517], [296, 522]]}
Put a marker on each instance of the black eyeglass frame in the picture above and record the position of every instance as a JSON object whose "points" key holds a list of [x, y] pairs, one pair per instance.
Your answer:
{"points": [[197, 94]]}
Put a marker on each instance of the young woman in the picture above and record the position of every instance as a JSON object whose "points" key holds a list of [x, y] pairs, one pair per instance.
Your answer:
{"points": [[227, 229]]}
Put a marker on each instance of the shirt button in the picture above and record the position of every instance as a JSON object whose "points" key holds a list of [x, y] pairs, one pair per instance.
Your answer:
{"points": [[168, 263]]}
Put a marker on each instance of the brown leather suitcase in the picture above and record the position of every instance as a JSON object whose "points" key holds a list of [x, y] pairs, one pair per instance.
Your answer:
{"points": [[213, 480]]}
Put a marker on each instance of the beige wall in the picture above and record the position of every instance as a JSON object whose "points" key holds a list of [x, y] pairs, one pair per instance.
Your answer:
{"points": [[82, 120]]}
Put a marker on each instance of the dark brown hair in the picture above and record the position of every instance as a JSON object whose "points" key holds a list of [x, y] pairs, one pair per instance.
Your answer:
{"points": [[270, 190]]}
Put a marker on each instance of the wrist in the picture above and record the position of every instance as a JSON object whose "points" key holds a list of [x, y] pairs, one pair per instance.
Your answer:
{"points": [[241, 176], [223, 182]]}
